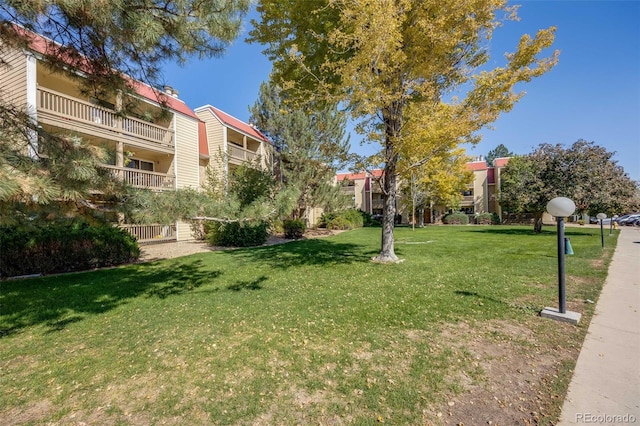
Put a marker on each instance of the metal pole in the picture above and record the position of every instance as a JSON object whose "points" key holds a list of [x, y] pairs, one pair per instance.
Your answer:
{"points": [[601, 234], [562, 305]]}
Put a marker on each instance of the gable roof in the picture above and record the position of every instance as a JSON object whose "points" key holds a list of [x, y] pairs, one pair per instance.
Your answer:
{"points": [[236, 124], [40, 44]]}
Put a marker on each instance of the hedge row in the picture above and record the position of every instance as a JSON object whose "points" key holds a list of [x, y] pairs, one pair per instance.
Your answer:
{"points": [[63, 247], [347, 219], [236, 235]]}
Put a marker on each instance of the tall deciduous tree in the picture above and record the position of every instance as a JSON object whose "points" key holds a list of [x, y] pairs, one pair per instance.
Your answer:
{"points": [[584, 172], [393, 62], [311, 146], [113, 42]]}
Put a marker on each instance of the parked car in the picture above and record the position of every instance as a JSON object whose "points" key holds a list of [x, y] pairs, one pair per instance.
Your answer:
{"points": [[628, 219]]}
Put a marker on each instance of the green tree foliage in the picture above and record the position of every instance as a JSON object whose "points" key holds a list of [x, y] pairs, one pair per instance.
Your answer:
{"points": [[249, 196], [584, 172], [115, 42], [499, 151], [311, 146], [394, 65]]}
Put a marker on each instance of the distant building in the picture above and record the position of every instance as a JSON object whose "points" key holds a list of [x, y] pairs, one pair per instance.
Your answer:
{"points": [[479, 197]]}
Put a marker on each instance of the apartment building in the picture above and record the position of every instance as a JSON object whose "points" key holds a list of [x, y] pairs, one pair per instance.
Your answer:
{"points": [[481, 194], [479, 197], [226, 142], [161, 144]]}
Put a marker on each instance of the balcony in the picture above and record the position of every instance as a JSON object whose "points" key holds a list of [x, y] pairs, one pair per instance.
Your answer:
{"points": [[144, 179], [240, 155], [348, 190], [64, 111], [151, 233]]}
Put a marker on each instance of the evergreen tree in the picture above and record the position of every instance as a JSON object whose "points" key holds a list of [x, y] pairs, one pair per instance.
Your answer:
{"points": [[499, 151], [311, 146]]}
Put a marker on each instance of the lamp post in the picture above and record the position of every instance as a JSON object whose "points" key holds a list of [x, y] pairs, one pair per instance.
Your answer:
{"points": [[561, 207], [601, 217]]}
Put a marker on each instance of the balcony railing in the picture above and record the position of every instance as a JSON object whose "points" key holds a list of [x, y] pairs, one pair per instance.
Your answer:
{"points": [[238, 153], [151, 233], [65, 110], [142, 178]]}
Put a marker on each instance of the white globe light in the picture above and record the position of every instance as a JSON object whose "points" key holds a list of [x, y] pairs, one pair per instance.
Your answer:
{"points": [[561, 207], [601, 216]]}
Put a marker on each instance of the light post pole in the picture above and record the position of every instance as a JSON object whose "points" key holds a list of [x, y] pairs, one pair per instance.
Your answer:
{"points": [[561, 207], [601, 217]]}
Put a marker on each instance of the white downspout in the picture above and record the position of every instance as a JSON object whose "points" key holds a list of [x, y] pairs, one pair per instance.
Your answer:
{"points": [[32, 101]]}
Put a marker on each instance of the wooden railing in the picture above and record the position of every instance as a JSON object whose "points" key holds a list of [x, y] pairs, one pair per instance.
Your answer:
{"points": [[142, 178], [241, 154], [151, 233], [65, 107]]}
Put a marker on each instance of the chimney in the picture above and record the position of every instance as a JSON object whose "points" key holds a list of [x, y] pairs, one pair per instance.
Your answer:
{"points": [[169, 90]]}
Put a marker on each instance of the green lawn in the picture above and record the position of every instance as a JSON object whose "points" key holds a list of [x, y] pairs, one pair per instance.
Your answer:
{"points": [[308, 332]]}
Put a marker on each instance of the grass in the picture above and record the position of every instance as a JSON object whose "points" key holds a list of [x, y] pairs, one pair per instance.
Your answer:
{"points": [[309, 332]]}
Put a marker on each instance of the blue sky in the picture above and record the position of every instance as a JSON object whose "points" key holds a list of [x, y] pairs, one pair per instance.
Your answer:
{"points": [[593, 93]]}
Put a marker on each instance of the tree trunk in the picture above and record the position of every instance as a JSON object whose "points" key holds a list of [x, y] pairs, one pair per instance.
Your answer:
{"points": [[421, 217], [537, 222], [393, 121]]}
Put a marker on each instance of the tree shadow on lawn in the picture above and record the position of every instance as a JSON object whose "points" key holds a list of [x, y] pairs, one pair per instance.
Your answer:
{"points": [[529, 232], [57, 301], [302, 253]]}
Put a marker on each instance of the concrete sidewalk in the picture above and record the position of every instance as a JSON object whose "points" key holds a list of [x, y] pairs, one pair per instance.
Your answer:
{"points": [[605, 388]]}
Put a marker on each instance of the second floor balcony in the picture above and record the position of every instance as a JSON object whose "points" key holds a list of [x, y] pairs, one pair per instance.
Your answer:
{"points": [[143, 179], [239, 155], [64, 111]]}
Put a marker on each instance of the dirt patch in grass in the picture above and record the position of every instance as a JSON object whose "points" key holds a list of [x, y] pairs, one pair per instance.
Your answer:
{"points": [[34, 413], [512, 369]]}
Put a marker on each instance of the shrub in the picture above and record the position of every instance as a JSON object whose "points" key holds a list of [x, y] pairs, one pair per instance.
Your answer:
{"points": [[294, 228], [485, 219], [456, 218], [339, 223], [64, 247], [237, 235], [346, 219], [354, 217], [326, 218]]}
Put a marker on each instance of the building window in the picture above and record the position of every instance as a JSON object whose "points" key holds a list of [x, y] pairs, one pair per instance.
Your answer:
{"points": [[466, 210], [140, 165], [467, 193]]}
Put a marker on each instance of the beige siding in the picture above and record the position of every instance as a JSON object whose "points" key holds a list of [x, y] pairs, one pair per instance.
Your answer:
{"points": [[187, 162], [14, 78], [215, 138]]}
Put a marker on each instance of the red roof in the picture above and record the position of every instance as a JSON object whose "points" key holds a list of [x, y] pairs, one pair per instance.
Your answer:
{"points": [[477, 165], [203, 144], [350, 176], [358, 176], [500, 162], [241, 126], [41, 44]]}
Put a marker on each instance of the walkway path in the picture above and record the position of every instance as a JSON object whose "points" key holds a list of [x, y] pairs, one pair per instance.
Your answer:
{"points": [[605, 388]]}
